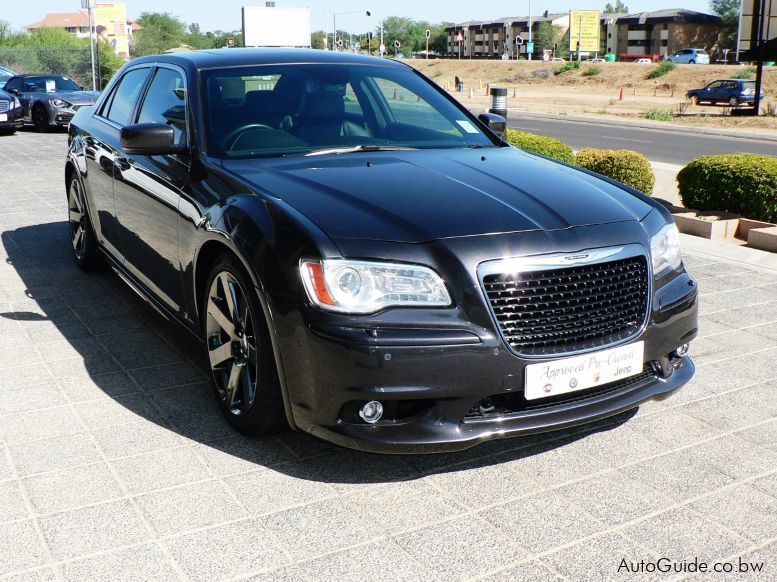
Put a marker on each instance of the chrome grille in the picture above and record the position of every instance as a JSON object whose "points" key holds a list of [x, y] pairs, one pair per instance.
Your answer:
{"points": [[569, 309], [4, 106]]}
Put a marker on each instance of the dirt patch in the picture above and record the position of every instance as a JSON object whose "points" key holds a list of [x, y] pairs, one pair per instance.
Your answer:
{"points": [[621, 89]]}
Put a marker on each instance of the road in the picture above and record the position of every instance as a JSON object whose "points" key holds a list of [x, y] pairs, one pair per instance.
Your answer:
{"points": [[658, 145]]}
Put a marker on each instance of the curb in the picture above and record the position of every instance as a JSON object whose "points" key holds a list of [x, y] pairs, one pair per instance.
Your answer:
{"points": [[732, 133], [729, 252]]}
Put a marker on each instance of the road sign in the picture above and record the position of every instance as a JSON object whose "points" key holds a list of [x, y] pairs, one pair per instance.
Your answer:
{"points": [[397, 44], [340, 42], [529, 47], [584, 28], [428, 34], [518, 40], [230, 41], [382, 48]]}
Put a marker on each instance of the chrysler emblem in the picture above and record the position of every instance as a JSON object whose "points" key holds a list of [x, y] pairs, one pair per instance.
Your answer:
{"points": [[577, 257]]}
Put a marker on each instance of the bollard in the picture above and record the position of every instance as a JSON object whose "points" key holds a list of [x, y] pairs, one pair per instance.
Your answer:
{"points": [[499, 101]]}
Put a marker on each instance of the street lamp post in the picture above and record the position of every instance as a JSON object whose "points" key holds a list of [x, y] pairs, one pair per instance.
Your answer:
{"points": [[89, 4], [528, 53], [334, 23]]}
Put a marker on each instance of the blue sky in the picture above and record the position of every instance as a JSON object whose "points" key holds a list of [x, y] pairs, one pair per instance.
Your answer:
{"points": [[225, 14]]}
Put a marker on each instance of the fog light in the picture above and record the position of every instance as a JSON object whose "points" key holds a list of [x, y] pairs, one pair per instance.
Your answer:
{"points": [[371, 412], [682, 351]]}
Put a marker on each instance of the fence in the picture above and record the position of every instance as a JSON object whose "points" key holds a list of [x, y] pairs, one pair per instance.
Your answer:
{"points": [[73, 62]]}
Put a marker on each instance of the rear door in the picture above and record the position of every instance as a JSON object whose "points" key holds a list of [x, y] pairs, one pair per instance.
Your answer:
{"points": [[147, 191], [102, 150]]}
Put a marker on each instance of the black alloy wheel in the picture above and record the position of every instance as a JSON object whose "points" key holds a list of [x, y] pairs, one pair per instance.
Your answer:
{"points": [[240, 353], [82, 239]]}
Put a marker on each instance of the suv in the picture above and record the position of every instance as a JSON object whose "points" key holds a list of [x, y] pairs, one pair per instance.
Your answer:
{"points": [[732, 91], [690, 56]]}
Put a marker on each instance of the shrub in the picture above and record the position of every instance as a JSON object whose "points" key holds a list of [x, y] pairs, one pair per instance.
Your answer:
{"points": [[540, 144], [744, 73], [568, 66], [657, 115], [662, 69], [631, 168], [745, 184], [592, 71]]}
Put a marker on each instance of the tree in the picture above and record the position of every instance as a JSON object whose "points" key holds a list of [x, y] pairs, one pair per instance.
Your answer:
{"points": [[619, 8], [161, 31], [545, 36], [728, 10]]}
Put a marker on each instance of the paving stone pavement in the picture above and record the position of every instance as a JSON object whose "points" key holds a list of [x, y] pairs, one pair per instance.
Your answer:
{"points": [[115, 464]]}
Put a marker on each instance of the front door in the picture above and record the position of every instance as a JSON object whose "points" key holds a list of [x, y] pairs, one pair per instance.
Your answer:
{"points": [[147, 190]]}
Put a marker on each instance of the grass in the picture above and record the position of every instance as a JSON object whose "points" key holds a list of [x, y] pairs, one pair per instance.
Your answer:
{"points": [[662, 69], [657, 115], [592, 71], [566, 67], [744, 73]]}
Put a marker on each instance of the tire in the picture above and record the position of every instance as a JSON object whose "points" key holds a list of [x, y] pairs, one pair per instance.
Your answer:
{"points": [[239, 351], [40, 119], [691, 62], [8, 131], [83, 241], [733, 102]]}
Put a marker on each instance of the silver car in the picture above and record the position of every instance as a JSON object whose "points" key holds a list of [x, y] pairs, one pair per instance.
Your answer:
{"points": [[49, 100]]}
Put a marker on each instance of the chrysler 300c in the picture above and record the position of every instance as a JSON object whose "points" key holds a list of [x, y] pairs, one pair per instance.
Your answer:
{"points": [[365, 260]]}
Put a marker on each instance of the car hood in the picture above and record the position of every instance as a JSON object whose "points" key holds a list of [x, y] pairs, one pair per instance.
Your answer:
{"points": [[73, 97], [424, 195]]}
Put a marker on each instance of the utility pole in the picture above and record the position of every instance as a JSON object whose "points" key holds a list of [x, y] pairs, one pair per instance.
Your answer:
{"points": [[89, 4], [528, 53], [580, 36], [760, 39], [382, 46]]}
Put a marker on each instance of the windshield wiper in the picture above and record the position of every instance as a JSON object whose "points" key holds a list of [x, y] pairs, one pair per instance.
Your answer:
{"points": [[358, 148]]}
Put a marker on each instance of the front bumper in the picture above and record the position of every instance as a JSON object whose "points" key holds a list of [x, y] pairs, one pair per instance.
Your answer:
{"points": [[429, 378], [61, 117], [14, 119]]}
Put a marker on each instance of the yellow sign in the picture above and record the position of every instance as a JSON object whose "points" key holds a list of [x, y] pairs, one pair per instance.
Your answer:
{"points": [[584, 28], [110, 22]]}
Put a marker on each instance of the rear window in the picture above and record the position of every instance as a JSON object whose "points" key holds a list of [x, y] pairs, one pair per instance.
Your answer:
{"points": [[749, 85], [701, 52]]}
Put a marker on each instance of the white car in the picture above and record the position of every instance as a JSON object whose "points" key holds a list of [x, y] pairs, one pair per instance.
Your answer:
{"points": [[643, 62], [597, 61], [557, 60]]}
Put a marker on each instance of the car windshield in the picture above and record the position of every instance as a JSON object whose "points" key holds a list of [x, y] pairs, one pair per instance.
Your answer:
{"points": [[49, 84], [308, 109]]}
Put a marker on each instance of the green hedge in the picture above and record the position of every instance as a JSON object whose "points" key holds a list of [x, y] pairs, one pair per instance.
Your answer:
{"points": [[540, 144], [745, 184], [631, 168]]}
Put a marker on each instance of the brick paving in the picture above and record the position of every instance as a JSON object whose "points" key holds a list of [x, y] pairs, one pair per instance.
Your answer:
{"points": [[115, 464]]}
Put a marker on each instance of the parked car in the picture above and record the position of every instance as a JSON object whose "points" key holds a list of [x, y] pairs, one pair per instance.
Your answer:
{"points": [[10, 113], [597, 61], [5, 74], [557, 60], [732, 91], [643, 61], [49, 100], [690, 56], [384, 273]]}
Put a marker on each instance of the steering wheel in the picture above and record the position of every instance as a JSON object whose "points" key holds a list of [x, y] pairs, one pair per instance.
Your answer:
{"points": [[234, 135]]}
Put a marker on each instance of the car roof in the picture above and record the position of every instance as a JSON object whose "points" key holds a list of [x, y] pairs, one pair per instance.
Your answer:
{"points": [[236, 57]]}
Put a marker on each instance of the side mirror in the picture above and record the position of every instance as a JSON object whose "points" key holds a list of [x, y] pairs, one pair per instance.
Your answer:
{"points": [[149, 139], [496, 123]]}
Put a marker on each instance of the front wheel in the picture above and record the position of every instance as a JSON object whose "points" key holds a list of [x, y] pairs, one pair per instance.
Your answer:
{"points": [[733, 102], [40, 119], [240, 353], [691, 62], [82, 239]]}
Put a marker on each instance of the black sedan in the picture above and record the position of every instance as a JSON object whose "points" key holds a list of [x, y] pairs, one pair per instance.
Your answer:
{"points": [[49, 100], [365, 260], [10, 113]]}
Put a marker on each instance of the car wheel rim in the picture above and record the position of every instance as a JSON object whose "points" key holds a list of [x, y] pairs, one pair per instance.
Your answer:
{"points": [[231, 344], [77, 219]]}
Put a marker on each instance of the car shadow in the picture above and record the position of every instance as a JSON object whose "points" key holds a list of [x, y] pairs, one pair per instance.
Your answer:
{"points": [[116, 345]]}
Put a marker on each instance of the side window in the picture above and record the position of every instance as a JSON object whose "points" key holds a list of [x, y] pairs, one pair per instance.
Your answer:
{"points": [[15, 83], [411, 109], [122, 102], [165, 103]]}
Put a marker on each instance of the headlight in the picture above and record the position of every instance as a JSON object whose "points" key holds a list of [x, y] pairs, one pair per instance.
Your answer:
{"points": [[665, 250], [60, 103], [366, 287]]}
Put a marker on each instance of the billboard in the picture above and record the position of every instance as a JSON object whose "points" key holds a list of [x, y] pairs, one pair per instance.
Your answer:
{"points": [[271, 26], [749, 28], [110, 21], [584, 27]]}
